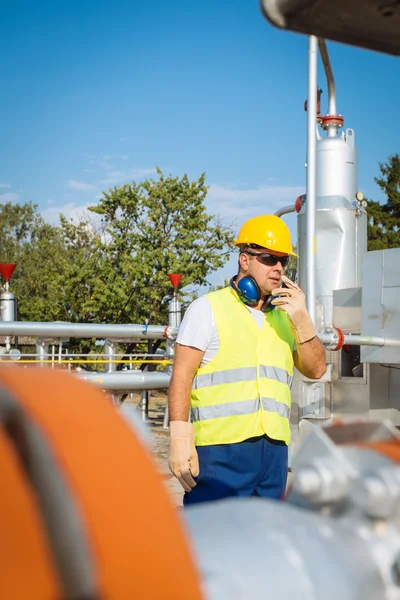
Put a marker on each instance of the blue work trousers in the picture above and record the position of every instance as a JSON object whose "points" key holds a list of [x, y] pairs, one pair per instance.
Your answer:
{"points": [[255, 467]]}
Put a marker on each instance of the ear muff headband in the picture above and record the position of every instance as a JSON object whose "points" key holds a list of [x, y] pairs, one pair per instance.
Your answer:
{"points": [[249, 292]]}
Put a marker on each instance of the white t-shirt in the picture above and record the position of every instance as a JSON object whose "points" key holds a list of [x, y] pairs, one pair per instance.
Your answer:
{"points": [[198, 328]]}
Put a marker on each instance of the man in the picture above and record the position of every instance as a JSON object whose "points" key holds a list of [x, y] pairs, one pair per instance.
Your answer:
{"points": [[234, 360]]}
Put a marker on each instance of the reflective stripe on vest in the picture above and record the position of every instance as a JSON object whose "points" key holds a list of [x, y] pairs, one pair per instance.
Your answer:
{"points": [[243, 407], [241, 374], [244, 391]]}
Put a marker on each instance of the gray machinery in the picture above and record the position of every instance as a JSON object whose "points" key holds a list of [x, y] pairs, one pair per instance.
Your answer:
{"points": [[8, 304], [337, 536], [118, 383], [351, 293]]}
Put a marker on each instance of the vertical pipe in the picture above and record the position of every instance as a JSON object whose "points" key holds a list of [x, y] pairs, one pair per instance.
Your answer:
{"points": [[7, 311], [110, 350], [60, 348], [145, 397], [332, 129], [174, 320], [311, 172], [144, 404], [42, 351], [332, 110]]}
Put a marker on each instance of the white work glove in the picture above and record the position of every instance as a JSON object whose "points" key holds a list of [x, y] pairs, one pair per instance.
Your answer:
{"points": [[293, 302], [183, 459]]}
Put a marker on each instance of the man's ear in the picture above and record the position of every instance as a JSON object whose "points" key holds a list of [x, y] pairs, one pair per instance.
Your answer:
{"points": [[244, 260]]}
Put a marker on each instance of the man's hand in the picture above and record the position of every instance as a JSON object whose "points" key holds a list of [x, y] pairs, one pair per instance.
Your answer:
{"points": [[293, 302], [183, 459]]}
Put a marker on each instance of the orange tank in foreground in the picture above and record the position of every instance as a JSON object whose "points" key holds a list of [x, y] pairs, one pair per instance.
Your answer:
{"points": [[83, 512]]}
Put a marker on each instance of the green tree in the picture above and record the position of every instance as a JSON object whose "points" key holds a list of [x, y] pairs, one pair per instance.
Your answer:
{"points": [[152, 229], [55, 265], [115, 268], [39, 283], [36, 247], [86, 285], [56, 270], [17, 225], [384, 219]]}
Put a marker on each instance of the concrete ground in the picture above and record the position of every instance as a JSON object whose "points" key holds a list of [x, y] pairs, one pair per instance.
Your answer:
{"points": [[160, 442]]}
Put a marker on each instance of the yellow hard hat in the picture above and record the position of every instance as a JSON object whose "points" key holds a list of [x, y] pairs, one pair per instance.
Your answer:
{"points": [[267, 231]]}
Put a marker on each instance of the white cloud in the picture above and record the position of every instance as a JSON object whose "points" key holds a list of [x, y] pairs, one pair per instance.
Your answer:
{"points": [[245, 203], [111, 180], [102, 164], [114, 177], [115, 157], [138, 173], [114, 169], [70, 211], [106, 161], [8, 197], [5, 185], [80, 186]]}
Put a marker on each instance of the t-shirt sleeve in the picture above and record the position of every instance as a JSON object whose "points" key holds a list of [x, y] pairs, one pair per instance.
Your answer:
{"points": [[197, 325]]}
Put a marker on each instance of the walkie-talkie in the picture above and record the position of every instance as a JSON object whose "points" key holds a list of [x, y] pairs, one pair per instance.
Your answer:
{"points": [[267, 306]]}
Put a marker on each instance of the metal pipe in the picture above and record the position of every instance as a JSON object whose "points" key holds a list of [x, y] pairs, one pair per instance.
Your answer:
{"points": [[127, 381], [110, 349], [100, 355], [330, 338], [332, 110], [285, 210], [143, 405], [311, 174], [42, 350], [87, 330], [73, 361], [174, 320]]}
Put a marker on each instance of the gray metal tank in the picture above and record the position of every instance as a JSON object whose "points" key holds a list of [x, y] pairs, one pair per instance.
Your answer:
{"points": [[7, 306], [341, 223]]}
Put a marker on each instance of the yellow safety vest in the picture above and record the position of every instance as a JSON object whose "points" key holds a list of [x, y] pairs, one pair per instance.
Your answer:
{"points": [[244, 391]]}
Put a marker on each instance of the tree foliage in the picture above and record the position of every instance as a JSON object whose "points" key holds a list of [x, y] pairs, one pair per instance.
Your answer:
{"points": [[114, 269], [154, 228], [18, 224], [34, 246], [52, 263], [384, 219]]}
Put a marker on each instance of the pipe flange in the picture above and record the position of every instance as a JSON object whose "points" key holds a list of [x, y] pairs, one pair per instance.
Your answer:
{"points": [[340, 339], [328, 120], [170, 332]]}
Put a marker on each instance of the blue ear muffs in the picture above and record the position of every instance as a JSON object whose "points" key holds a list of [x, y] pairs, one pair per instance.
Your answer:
{"points": [[248, 291]]}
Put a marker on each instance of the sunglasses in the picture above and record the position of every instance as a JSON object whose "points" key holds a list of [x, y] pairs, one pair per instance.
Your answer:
{"points": [[269, 260]]}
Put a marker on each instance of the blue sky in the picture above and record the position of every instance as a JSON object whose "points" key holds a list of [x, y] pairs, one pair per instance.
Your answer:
{"points": [[97, 93]]}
